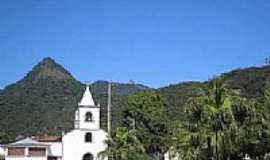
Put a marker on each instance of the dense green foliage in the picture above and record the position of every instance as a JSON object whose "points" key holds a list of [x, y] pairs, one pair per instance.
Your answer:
{"points": [[44, 101], [250, 82], [145, 113], [144, 131], [124, 145], [219, 124], [176, 96]]}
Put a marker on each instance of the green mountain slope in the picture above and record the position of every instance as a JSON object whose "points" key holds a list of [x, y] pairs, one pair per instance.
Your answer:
{"points": [[44, 101], [249, 81], [176, 96]]}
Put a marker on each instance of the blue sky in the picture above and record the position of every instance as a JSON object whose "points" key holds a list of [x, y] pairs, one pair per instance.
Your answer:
{"points": [[154, 42]]}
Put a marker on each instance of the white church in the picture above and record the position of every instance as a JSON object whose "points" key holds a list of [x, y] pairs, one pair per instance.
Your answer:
{"points": [[84, 142]]}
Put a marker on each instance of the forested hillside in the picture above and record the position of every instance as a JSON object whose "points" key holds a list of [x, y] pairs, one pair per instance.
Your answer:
{"points": [[249, 81], [44, 101]]}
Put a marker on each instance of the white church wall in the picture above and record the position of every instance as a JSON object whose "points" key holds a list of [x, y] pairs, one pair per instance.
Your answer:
{"points": [[75, 147], [2, 152]]}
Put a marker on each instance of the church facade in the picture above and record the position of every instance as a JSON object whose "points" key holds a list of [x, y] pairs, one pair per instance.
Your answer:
{"points": [[87, 137], [84, 142]]}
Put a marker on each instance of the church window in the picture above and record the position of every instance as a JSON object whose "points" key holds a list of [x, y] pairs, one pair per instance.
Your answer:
{"points": [[88, 156], [88, 117], [88, 137]]}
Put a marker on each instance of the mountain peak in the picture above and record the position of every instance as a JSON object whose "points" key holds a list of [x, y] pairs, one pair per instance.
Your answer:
{"points": [[48, 68], [48, 60]]}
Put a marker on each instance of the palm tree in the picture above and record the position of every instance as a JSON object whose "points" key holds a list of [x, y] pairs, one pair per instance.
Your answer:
{"points": [[210, 121], [218, 113]]}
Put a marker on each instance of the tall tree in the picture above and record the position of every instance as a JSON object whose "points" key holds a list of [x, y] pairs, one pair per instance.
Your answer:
{"points": [[145, 113], [217, 119]]}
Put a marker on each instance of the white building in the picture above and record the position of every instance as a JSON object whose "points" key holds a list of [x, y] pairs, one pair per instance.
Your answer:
{"points": [[84, 142], [87, 139], [2, 152]]}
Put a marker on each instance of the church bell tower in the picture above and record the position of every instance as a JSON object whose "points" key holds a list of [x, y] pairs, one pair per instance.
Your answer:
{"points": [[87, 116]]}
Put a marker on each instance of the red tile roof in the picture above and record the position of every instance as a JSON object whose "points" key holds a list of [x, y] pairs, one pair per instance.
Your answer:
{"points": [[47, 138]]}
